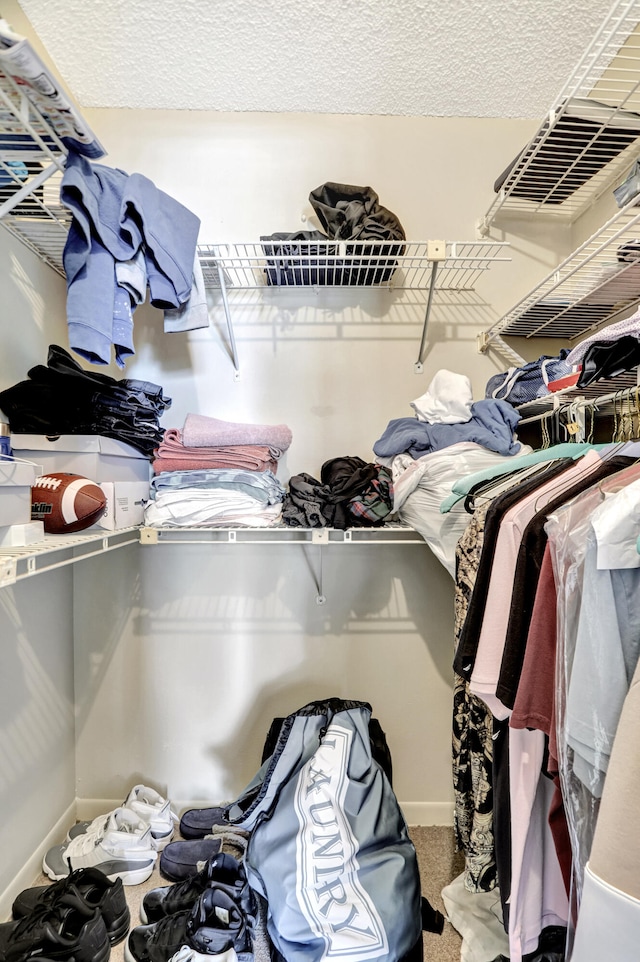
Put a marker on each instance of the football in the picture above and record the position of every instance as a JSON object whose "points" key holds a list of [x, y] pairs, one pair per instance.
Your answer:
{"points": [[66, 502]]}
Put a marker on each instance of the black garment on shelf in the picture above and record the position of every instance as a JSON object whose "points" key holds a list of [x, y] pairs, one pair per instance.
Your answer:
{"points": [[350, 493], [63, 398], [605, 359], [346, 213], [354, 213]]}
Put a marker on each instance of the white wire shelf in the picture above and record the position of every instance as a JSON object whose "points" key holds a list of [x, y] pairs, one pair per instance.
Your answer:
{"points": [[59, 550], [32, 159], [391, 533], [383, 264], [597, 282], [590, 135], [597, 393]]}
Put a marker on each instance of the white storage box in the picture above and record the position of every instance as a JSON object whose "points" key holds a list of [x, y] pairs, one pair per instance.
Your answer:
{"points": [[16, 479], [91, 455], [125, 504], [20, 535]]}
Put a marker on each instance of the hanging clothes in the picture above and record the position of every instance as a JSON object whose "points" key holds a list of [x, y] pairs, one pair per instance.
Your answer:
{"points": [[473, 745]]}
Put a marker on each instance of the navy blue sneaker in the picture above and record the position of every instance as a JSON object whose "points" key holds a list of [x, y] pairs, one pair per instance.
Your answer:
{"points": [[215, 924], [198, 822], [221, 870], [180, 860]]}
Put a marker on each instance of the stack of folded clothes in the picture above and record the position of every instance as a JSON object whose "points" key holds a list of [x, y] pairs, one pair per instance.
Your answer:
{"points": [[206, 442], [215, 473], [63, 398]]}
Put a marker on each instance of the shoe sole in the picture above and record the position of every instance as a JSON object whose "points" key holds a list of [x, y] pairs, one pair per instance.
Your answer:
{"points": [[230, 955], [132, 877]]}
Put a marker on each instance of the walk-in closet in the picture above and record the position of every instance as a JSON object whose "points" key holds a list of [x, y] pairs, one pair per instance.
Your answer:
{"points": [[498, 153]]}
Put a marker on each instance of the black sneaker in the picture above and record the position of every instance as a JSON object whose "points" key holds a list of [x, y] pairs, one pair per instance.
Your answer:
{"points": [[215, 924], [86, 886], [57, 934], [222, 869]]}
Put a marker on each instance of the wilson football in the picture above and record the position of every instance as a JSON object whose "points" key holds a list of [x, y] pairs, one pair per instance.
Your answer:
{"points": [[66, 502]]}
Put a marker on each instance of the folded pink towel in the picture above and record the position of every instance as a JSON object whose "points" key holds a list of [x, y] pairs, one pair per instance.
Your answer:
{"points": [[208, 464], [202, 431], [228, 455]]}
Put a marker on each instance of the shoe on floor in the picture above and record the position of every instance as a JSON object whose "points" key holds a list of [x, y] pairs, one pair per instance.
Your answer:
{"points": [[198, 822], [222, 869], [216, 924], [180, 860], [125, 851], [88, 887], [56, 934], [185, 954], [149, 806]]}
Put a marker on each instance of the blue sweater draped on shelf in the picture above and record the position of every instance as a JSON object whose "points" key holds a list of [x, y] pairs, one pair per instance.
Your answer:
{"points": [[125, 234], [491, 424]]}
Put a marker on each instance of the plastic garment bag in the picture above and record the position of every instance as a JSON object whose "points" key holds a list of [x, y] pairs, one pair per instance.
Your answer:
{"points": [[598, 640]]}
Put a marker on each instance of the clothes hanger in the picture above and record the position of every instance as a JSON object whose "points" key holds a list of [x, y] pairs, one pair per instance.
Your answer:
{"points": [[562, 482], [496, 486], [544, 430]]}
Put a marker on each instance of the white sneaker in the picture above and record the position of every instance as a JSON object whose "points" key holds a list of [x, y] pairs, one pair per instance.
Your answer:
{"points": [[155, 810], [148, 805], [123, 850], [186, 954]]}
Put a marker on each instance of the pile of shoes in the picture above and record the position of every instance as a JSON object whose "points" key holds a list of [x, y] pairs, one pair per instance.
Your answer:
{"points": [[123, 843], [211, 913], [206, 832], [79, 918]]}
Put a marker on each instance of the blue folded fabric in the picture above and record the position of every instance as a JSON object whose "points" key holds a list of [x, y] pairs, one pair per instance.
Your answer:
{"points": [[492, 424]]}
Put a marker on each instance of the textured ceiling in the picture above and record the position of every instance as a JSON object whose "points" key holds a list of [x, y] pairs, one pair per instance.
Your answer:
{"points": [[497, 58]]}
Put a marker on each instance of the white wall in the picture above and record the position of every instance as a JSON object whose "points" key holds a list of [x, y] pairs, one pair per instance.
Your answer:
{"points": [[33, 310]]}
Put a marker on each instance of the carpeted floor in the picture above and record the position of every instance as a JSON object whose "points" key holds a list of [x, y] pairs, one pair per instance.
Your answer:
{"points": [[438, 862]]}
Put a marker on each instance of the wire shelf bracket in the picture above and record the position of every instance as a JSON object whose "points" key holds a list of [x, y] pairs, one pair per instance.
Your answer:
{"points": [[432, 266]]}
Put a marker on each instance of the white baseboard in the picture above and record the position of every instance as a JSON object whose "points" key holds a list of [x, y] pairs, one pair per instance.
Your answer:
{"points": [[33, 865], [89, 808]]}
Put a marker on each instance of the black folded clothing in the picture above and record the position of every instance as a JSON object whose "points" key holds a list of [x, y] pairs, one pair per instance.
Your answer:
{"points": [[347, 213], [607, 359], [350, 493], [63, 398]]}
